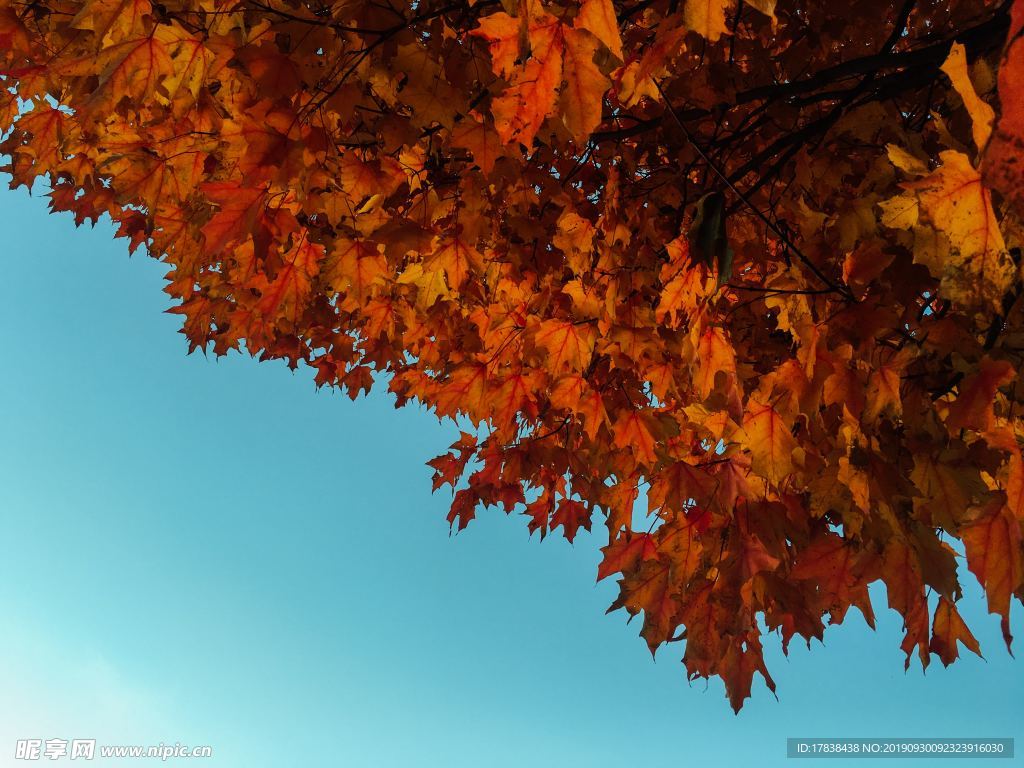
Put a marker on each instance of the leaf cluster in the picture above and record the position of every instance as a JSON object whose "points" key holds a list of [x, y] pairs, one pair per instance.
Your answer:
{"points": [[757, 263]]}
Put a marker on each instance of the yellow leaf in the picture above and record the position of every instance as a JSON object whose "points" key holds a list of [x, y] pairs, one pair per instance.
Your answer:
{"points": [[115, 20], [900, 212], [135, 67], [769, 441], [905, 161], [598, 18], [191, 61], [982, 115], [931, 248], [457, 259], [856, 481], [978, 270], [585, 86], [883, 390], [430, 283], [575, 238], [707, 18]]}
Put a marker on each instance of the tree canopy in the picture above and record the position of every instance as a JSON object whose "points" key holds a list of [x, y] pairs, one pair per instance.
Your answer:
{"points": [[755, 261]]}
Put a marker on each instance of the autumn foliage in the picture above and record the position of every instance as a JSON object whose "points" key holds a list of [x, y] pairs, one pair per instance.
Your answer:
{"points": [[756, 263]]}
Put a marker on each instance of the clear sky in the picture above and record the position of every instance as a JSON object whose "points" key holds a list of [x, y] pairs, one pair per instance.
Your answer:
{"points": [[213, 552]]}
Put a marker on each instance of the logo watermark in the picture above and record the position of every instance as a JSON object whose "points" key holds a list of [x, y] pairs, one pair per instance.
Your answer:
{"points": [[87, 749]]}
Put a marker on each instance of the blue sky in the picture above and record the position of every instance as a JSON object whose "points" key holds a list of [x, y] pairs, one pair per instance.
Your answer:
{"points": [[213, 552]]}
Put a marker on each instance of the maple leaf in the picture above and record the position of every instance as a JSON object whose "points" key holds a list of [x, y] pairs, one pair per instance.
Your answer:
{"points": [[981, 113], [625, 552], [598, 18], [1001, 164], [707, 18], [474, 134], [993, 544], [948, 628], [237, 209], [679, 484], [902, 576], [465, 391], [973, 407], [840, 573], [572, 392], [567, 344], [679, 300], [633, 433], [714, 355], [637, 79], [744, 657], [13, 34], [770, 442], [515, 396], [882, 394], [680, 540], [977, 270], [286, 294], [585, 85], [650, 589], [947, 491], [533, 92], [571, 515]]}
